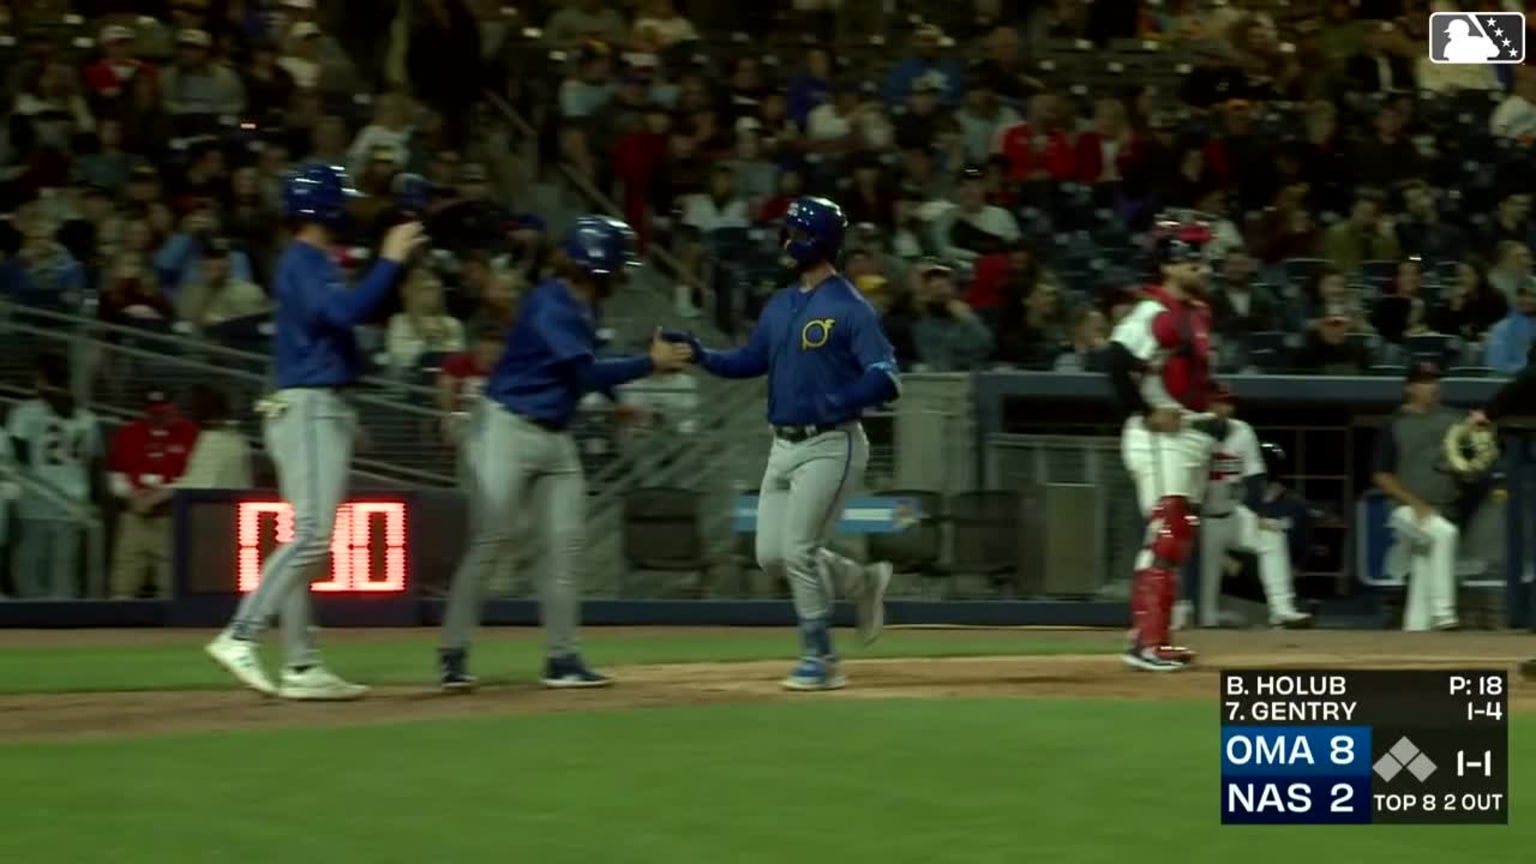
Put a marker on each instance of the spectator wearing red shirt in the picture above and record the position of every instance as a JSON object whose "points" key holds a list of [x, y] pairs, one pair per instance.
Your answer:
{"points": [[1101, 152], [114, 76], [1037, 148], [461, 380], [147, 454]]}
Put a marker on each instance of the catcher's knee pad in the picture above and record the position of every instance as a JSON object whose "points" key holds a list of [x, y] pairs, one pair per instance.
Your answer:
{"points": [[1174, 528]]}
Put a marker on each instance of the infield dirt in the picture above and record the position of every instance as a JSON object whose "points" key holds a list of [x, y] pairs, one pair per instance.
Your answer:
{"points": [[1082, 676]]}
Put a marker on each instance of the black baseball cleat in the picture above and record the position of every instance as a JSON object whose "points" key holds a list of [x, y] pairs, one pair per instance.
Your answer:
{"points": [[1528, 669], [453, 671]]}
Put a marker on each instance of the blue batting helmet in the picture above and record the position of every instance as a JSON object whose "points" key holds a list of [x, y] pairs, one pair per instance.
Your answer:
{"points": [[813, 231], [600, 245], [317, 192]]}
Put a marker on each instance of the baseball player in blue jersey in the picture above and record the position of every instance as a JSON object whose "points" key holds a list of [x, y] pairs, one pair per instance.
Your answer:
{"points": [[310, 426], [525, 457], [827, 360]]}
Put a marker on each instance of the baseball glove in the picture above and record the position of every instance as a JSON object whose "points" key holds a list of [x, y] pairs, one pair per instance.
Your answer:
{"points": [[1471, 448]]}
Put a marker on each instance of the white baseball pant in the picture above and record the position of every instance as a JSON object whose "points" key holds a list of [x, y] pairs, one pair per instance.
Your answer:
{"points": [[1430, 547], [1241, 530]]}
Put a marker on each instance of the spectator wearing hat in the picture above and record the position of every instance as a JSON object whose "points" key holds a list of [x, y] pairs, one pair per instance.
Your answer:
{"points": [[973, 228], [147, 455], [581, 20], [178, 261], [217, 295], [925, 61], [1410, 467], [111, 78], [920, 124], [196, 90], [313, 67], [982, 117], [947, 336]]}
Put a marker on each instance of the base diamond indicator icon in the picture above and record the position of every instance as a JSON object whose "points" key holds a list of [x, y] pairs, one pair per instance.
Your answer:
{"points": [[1404, 755]]}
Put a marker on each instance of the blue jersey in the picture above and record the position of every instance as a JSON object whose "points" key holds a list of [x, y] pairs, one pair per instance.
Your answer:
{"points": [[316, 312], [823, 351], [550, 361]]}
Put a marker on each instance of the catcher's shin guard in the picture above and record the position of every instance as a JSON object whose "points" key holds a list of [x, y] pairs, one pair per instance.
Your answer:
{"points": [[1155, 587]]}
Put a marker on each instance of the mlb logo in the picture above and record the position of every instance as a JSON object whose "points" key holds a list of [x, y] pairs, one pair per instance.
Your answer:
{"points": [[1473, 39]]}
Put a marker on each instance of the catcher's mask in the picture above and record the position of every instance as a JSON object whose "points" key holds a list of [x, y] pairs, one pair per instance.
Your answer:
{"points": [[1470, 448]]}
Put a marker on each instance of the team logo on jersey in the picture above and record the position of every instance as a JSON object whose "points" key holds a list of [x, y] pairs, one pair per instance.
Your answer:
{"points": [[816, 332]]}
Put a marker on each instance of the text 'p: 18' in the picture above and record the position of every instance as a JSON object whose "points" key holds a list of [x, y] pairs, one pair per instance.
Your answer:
{"points": [[356, 565]]}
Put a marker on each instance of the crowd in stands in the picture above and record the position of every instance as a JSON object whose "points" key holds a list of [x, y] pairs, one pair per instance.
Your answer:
{"points": [[1368, 205]]}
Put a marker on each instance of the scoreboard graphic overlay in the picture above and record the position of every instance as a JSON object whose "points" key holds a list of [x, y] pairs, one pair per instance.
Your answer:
{"points": [[1310, 747]]}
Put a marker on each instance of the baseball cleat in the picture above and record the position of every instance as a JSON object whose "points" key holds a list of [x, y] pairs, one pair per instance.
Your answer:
{"points": [[318, 684], [1447, 623], [870, 607], [240, 658], [816, 673], [1528, 668], [571, 673], [454, 674], [1164, 659], [1292, 621]]}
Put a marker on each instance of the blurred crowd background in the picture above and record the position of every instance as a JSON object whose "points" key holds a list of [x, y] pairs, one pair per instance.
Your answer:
{"points": [[999, 162]]}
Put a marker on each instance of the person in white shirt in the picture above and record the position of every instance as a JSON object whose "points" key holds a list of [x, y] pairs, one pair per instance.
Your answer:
{"points": [[1235, 495], [704, 213], [1516, 116], [424, 327], [973, 227], [59, 444], [390, 131], [848, 122], [659, 26]]}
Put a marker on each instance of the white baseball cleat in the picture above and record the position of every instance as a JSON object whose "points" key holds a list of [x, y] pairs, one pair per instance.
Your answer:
{"points": [[319, 684], [241, 659], [870, 607]]}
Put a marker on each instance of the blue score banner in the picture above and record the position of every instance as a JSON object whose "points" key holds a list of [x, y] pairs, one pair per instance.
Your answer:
{"points": [[1336, 747]]}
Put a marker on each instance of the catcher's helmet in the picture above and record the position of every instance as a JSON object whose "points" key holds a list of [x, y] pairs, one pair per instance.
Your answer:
{"points": [[317, 192], [813, 231], [1275, 461], [1180, 238], [600, 245]]}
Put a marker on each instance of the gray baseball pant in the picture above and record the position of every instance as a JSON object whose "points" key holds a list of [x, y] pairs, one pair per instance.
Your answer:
{"points": [[309, 434], [526, 471], [804, 489]]}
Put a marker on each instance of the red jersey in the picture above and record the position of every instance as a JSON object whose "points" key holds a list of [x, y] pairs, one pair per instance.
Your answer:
{"points": [[468, 377], [153, 456]]}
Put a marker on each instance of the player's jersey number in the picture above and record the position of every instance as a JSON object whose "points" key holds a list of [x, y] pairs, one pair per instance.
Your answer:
{"points": [[63, 445]]}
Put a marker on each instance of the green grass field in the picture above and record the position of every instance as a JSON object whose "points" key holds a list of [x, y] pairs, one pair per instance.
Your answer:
{"points": [[888, 780]]}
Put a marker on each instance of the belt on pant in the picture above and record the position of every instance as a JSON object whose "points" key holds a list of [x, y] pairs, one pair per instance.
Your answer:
{"points": [[796, 434]]}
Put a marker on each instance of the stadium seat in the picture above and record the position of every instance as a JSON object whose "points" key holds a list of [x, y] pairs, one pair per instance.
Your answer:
{"points": [[1378, 274], [1299, 271], [661, 532]]}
